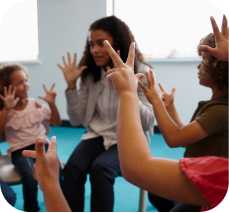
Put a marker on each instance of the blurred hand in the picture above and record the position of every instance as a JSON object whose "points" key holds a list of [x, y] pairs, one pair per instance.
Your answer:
{"points": [[50, 95], [46, 167], [70, 70], [167, 98], [9, 99], [122, 75], [151, 90], [221, 39]]}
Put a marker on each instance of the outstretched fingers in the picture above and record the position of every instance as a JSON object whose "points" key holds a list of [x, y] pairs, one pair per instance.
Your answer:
{"points": [[150, 78], [29, 154], [224, 27], [131, 55], [113, 54], [215, 28], [52, 145]]}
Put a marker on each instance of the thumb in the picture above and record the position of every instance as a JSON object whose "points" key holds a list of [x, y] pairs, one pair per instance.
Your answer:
{"points": [[82, 68], [39, 146], [16, 100], [207, 49], [173, 91]]}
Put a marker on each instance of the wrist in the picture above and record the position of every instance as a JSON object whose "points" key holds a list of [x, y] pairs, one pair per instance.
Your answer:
{"points": [[170, 107], [47, 186], [71, 84], [128, 95], [52, 104], [155, 98], [6, 110]]}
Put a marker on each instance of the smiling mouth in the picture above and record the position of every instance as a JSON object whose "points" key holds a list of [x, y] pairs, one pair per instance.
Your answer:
{"points": [[98, 57]]}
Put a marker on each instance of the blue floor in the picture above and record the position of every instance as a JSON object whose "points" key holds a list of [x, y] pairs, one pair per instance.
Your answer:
{"points": [[126, 194]]}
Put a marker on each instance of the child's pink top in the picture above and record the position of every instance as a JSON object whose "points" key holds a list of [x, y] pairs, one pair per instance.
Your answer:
{"points": [[24, 127], [209, 175]]}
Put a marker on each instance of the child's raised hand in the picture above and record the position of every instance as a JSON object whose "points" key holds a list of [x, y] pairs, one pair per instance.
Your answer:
{"points": [[50, 95], [167, 98], [70, 69], [221, 39], [9, 99], [151, 89], [46, 167]]}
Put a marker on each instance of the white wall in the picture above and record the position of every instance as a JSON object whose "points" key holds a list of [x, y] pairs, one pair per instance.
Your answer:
{"points": [[63, 26]]}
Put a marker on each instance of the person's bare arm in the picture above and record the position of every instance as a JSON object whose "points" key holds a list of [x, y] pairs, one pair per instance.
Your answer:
{"points": [[172, 132], [159, 176]]}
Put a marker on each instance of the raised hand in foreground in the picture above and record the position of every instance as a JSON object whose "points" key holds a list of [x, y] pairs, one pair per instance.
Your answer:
{"points": [[46, 171]]}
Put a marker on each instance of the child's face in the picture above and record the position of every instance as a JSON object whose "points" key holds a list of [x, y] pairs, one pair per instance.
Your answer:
{"points": [[203, 74], [19, 80]]}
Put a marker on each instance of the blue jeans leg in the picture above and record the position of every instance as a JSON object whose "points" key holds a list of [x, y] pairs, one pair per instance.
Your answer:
{"points": [[104, 170]]}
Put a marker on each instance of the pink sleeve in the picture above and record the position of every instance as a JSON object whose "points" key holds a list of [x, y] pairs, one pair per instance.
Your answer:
{"points": [[209, 175]]}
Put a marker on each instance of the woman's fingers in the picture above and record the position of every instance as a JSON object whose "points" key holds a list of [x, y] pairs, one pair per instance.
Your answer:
{"points": [[131, 55], [69, 58], [113, 54], [64, 61], [74, 59], [61, 67], [82, 68]]}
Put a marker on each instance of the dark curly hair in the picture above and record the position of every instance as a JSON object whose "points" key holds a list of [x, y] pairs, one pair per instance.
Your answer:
{"points": [[218, 70], [122, 38], [6, 72]]}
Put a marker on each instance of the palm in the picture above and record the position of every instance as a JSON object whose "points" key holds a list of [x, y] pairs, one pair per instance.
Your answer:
{"points": [[69, 68], [122, 71], [9, 98], [167, 98], [49, 167], [50, 94]]}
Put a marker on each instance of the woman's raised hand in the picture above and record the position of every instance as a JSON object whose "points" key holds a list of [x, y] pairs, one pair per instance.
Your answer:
{"points": [[70, 69]]}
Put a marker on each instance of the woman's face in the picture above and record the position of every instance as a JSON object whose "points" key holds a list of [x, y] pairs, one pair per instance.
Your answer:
{"points": [[19, 80], [97, 49]]}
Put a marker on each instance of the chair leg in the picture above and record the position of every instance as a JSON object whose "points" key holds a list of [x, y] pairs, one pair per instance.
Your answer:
{"points": [[141, 203]]}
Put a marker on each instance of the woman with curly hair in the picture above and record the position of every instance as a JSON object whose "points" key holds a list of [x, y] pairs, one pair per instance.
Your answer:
{"points": [[92, 102]]}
